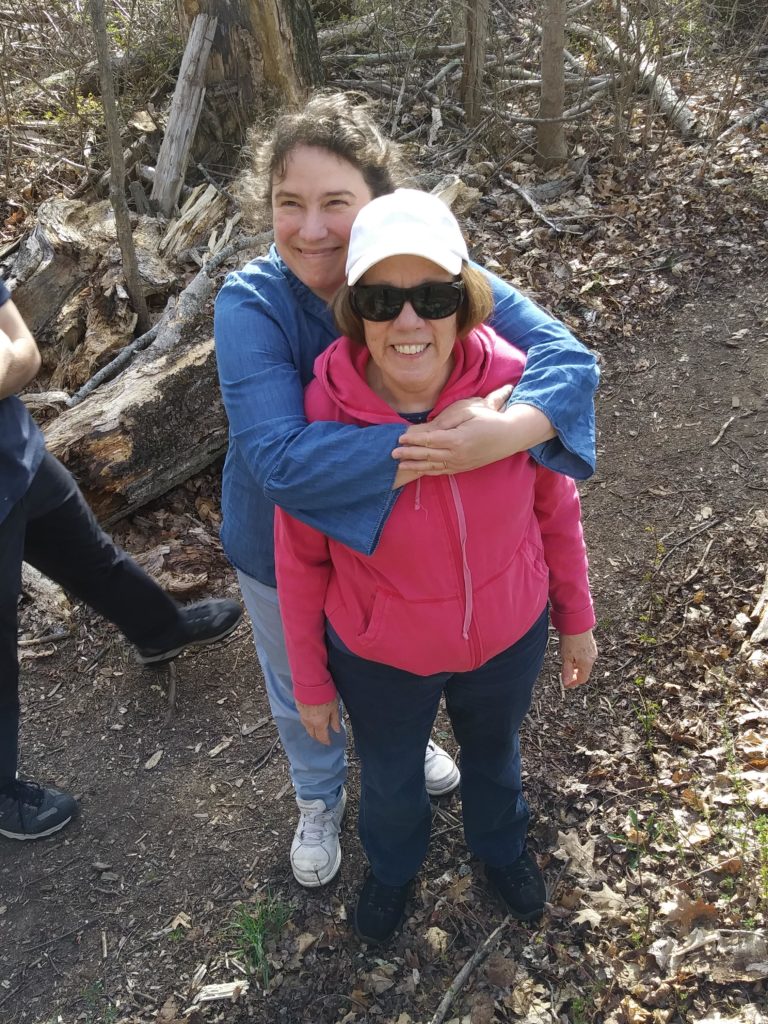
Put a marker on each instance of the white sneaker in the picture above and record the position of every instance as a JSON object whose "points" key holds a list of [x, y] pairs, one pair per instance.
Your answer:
{"points": [[440, 772], [315, 850]]}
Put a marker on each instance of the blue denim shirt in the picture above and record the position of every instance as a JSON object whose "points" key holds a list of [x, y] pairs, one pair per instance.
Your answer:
{"points": [[21, 444], [269, 329]]}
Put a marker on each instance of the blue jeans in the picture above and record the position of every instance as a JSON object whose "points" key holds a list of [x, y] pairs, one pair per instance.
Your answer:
{"points": [[317, 772], [392, 713], [53, 529]]}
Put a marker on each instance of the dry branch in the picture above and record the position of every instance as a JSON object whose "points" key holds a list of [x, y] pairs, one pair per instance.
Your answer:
{"points": [[329, 37], [651, 79], [461, 978]]}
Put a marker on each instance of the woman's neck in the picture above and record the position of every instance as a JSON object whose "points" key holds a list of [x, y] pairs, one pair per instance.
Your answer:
{"points": [[403, 399]]}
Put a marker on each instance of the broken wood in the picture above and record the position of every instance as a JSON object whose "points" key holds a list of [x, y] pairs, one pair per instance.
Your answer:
{"points": [[203, 210], [185, 112]]}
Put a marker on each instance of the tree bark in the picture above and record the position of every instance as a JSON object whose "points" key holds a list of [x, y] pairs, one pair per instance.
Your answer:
{"points": [[265, 53], [474, 58], [149, 430], [117, 166], [550, 136]]}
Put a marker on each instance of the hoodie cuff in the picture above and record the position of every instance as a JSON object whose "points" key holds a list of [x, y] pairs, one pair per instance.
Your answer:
{"points": [[318, 693], [573, 623]]}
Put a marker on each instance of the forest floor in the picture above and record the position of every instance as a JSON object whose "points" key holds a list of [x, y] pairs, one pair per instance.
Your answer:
{"points": [[646, 785]]}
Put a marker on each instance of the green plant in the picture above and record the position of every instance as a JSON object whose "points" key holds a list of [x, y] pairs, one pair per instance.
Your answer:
{"points": [[761, 830], [255, 927], [646, 711], [579, 1011]]}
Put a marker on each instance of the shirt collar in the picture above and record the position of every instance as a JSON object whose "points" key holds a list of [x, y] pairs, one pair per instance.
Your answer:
{"points": [[304, 296]]}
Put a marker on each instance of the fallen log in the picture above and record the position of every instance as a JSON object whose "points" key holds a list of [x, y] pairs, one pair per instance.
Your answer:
{"points": [[674, 107], [149, 430]]}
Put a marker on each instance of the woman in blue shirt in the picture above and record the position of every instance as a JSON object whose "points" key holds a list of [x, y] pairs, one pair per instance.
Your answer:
{"points": [[272, 319]]}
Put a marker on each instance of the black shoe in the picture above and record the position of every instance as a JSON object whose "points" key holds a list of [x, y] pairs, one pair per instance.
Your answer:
{"points": [[380, 910], [29, 811], [520, 886], [203, 622]]}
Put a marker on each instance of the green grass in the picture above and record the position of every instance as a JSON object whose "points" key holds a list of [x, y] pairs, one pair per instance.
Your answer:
{"points": [[255, 927]]}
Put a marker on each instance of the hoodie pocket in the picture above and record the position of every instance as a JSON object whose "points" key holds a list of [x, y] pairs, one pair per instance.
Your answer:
{"points": [[371, 626]]}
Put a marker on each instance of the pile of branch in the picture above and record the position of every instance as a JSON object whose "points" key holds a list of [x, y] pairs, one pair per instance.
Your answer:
{"points": [[133, 417]]}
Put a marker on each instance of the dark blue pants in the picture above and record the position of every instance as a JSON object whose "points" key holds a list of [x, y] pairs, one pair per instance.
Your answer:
{"points": [[53, 529], [392, 713]]}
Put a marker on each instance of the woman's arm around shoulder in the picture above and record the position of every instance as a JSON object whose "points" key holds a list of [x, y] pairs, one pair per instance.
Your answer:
{"points": [[265, 349], [560, 379]]}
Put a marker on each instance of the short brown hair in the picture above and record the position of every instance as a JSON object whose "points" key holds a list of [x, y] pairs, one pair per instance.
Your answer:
{"points": [[476, 306], [330, 121]]}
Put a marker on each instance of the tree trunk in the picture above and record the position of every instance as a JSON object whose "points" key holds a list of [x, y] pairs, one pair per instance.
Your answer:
{"points": [[474, 58], [117, 167], [265, 53], [550, 136]]}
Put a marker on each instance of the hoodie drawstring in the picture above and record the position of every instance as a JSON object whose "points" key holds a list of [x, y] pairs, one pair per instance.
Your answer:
{"points": [[465, 565]]}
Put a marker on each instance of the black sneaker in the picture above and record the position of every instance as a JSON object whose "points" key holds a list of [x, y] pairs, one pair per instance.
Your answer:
{"points": [[29, 811], [203, 622], [520, 886], [380, 910]]}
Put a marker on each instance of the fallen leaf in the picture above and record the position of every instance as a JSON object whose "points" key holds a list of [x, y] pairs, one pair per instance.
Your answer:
{"points": [[581, 855], [684, 914], [154, 760], [305, 941], [437, 940]]}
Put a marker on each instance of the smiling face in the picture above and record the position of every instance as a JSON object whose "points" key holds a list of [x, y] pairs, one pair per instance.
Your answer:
{"points": [[313, 207], [411, 358]]}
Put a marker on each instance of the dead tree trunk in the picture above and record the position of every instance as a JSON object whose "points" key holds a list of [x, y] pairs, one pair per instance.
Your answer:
{"points": [[265, 52], [550, 134], [474, 58], [184, 115]]}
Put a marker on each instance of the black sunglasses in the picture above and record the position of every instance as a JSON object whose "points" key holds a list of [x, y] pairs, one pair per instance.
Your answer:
{"points": [[434, 300]]}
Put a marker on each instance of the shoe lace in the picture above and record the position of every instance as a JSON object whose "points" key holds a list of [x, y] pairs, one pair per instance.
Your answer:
{"points": [[24, 793], [315, 826]]}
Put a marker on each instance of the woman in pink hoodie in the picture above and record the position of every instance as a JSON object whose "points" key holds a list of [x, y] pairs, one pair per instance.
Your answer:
{"points": [[456, 598]]}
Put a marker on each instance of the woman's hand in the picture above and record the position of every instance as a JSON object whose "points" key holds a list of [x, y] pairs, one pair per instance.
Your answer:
{"points": [[317, 717], [469, 434], [578, 654]]}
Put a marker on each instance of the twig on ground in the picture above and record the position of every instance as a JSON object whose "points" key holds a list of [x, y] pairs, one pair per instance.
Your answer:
{"points": [[171, 695], [49, 638], [260, 763], [461, 978], [692, 575], [721, 432], [709, 525]]}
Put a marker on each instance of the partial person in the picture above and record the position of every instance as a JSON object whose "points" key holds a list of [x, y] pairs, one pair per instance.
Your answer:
{"points": [[455, 599], [44, 520], [312, 175]]}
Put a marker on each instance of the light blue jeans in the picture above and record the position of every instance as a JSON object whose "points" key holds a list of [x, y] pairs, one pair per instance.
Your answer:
{"points": [[317, 772]]}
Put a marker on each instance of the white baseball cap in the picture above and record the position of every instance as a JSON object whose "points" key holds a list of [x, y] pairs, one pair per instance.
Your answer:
{"points": [[405, 222]]}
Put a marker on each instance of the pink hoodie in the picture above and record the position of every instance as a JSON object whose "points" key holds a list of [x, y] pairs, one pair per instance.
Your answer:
{"points": [[465, 564]]}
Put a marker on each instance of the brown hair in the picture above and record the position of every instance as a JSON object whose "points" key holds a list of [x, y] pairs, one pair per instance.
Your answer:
{"points": [[330, 121], [476, 306]]}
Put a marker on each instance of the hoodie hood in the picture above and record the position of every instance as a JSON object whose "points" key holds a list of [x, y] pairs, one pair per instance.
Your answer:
{"points": [[341, 373]]}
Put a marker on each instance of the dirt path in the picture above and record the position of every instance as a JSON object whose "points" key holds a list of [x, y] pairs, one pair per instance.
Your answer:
{"points": [[110, 920]]}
